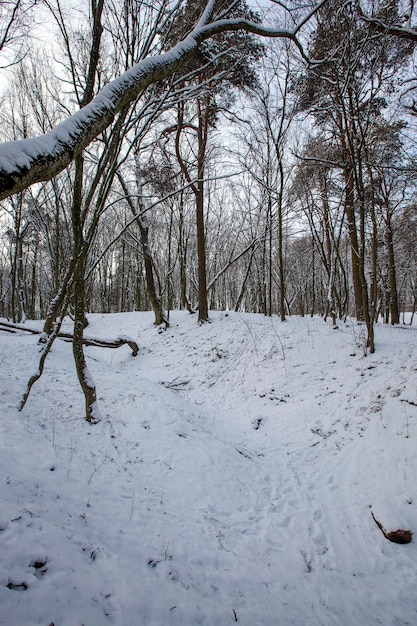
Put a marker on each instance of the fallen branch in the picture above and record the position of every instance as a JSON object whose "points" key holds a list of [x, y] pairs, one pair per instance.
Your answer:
{"points": [[408, 401], [320, 433], [104, 343], [12, 328], [396, 536], [87, 341], [247, 456], [44, 353]]}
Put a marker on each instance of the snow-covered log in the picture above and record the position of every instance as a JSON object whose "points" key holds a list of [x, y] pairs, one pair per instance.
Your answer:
{"points": [[87, 341], [105, 343]]}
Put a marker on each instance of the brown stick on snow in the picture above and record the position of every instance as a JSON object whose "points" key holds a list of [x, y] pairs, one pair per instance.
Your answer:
{"points": [[397, 536]]}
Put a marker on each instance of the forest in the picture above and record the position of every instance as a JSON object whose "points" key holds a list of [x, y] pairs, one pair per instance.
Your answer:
{"points": [[224, 191], [216, 155]]}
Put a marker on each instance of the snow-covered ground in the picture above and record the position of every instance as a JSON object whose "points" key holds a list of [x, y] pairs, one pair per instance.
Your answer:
{"points": [[231, 480]]}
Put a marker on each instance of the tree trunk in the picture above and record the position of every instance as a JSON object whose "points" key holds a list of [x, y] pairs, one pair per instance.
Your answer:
{"points": [[16, 261], [182, 252], [20, 280], [281, 244], [142, 221], [202, 131], [33, 282], [393, 293], [198, 190], [92, 412], [354, 243], [245, 280], [56, 307]]}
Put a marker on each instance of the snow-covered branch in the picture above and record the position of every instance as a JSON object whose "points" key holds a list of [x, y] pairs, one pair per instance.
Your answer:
{"points": [[29, 161], [397, 30]]}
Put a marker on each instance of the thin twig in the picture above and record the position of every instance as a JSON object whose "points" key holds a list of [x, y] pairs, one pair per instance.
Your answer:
{"points": [[97, 468]]}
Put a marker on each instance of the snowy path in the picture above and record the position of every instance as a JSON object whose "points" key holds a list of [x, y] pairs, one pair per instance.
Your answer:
{"points": [[231, 480]]}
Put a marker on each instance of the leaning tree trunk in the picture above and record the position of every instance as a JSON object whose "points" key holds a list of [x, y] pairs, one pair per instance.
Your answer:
{"points": [[245, 280], [44, 353], [56, 307], [92, 413]]}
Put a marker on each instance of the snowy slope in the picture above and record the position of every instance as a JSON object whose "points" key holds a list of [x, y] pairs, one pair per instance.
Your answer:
{"points": [[231, 481]]}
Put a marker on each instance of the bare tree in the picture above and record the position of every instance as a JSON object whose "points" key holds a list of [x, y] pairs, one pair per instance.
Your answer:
{"points": [[15, 22], [346, 96], [108, 116], [138, 209], [33, 160]]}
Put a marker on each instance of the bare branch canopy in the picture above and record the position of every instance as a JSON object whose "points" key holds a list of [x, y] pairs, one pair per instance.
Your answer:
{"points": [[28, 161]]}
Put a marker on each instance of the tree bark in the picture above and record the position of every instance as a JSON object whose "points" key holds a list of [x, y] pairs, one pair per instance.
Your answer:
{"points": [[44, 353], [245, 280], [281, 243], [202, 135]]}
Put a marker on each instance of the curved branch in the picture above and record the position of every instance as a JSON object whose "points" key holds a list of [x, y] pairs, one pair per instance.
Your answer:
{"points": [[29, 161], [390, 29]]}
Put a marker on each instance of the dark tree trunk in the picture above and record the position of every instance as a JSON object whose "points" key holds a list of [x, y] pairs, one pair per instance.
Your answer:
{"points": [[182, 252], [281, 244], [393, 293], [245, 280], [201, 254], [56, 307], [354, 243], [142, 221], [202, 131], [203, 114], [92, 413]]}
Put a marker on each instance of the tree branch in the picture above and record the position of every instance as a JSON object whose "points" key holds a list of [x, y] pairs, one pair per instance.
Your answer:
{"points": [[29, 161], [398, 31]]}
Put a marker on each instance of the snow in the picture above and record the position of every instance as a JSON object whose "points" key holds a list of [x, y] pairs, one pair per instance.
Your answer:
{"points": [[231, 479]]}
